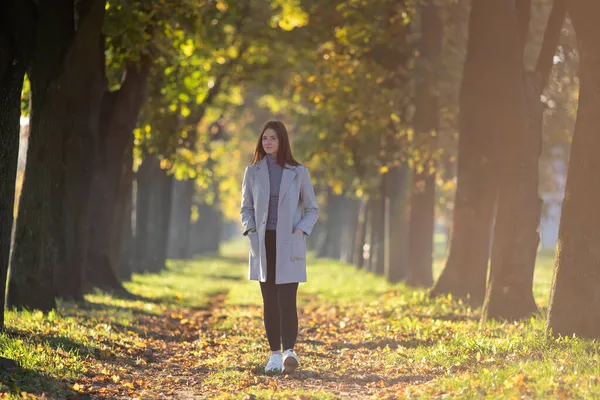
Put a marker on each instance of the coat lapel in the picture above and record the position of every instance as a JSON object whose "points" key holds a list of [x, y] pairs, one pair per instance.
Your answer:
{"points": [[262, 172], [288, 175]]}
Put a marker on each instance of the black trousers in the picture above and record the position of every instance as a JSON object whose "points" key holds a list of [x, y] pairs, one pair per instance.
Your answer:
{"points": [[280, 313]]}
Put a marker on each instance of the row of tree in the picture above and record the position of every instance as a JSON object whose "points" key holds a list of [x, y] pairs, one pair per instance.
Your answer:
{"points": [[94, 191], [497, 209], [126, 164]]}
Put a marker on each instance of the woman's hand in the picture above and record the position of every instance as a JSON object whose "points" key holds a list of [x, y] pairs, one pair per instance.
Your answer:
{"points": [[299, 231]]}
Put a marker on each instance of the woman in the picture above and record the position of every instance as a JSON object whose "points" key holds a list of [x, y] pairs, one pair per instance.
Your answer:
{"points": [[279, 209]]}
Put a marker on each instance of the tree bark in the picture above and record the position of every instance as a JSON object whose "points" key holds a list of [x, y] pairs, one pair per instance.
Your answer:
{"points": [[181, 218], [110, 183], [510, 287], [152, 221], [574, 307], [377, 260], [121, 239], [16, 37], [163, 217], [144, 177], [464, 275], [83, 78], [39, 242], [208, 230], [332, 245], [427, 121], [398, 190], [349, 229]]}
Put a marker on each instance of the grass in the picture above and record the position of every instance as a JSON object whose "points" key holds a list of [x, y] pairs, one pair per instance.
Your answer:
{"points": [[196, 330]]}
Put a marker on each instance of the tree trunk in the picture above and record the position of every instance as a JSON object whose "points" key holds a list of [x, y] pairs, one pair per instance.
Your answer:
{"points": [[361, 234], [349, 229], [181, 218], [110, 183], [421, 228], [161, 213], [510, 288], [427, 121], [398, 193], [15, 17], [39, 244], [143, 220], [335, 208], [376, 212], [152, 221], [83, 78], [464, 275], [574, 307], [209, 227], [121, 238]]}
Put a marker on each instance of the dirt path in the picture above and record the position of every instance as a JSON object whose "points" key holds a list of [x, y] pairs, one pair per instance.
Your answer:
{"points": [[220, 352]]}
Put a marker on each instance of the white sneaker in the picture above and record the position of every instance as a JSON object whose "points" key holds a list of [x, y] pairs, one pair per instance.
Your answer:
{"points": [[275, 363], [290, 361]]}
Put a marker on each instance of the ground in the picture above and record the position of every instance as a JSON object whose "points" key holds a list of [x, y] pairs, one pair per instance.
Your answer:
{"points": [[195, 331]]}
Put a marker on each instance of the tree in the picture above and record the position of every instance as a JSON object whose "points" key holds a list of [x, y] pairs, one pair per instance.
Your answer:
{"points": [[16, 38], [465, 272], [66, 94], [426, 121], [510, 287], [574, 306]]}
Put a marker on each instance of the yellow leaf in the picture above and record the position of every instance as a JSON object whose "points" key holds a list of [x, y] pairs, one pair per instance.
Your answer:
{"points": [[222, 6]]}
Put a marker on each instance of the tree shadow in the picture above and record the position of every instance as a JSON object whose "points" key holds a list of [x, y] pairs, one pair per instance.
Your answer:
{"points": [[89, 306], [56, 342], [17, 381]]}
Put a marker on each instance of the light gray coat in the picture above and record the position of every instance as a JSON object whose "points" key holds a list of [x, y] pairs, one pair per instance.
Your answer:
{"points": [[297, 208]]}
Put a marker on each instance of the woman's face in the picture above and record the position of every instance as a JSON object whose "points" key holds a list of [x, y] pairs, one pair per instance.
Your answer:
{"points": [[270, 142]]}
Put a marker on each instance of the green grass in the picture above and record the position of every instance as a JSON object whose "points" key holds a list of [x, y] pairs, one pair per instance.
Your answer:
{"points": [[197, 327]]}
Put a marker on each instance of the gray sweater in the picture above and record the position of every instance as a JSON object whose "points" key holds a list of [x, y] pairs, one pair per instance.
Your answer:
{"points": [[275, 171]]}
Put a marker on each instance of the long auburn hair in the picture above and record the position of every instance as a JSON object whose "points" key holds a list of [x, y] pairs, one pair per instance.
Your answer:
{"points": [[284, 153]]}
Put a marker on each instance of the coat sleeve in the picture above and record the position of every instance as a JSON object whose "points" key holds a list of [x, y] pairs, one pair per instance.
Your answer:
{"points": [[247, 210], [310, 214]]}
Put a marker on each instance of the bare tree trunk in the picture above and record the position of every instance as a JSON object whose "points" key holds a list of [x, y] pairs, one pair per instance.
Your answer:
{"points": [[398, 189], [510, 288], [427, 121], [39, 244], [120, 111], [574, 307], [332, 245], [349, 229], [377, 234], [181, 218], [15, 44], [122, 237], [85, 81], [146, 173], [464, 275]]}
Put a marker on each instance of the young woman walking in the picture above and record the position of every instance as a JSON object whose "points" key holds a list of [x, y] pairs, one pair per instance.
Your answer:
{"points": [[279, 209]]}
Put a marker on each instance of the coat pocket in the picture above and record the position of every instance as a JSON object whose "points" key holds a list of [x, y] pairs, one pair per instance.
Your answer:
{"points": [[298, 247], [253, 237]]}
